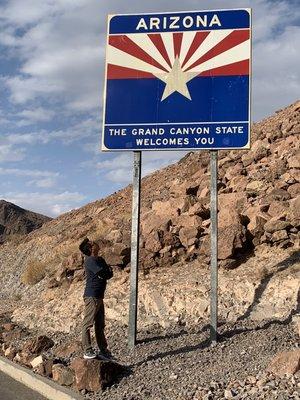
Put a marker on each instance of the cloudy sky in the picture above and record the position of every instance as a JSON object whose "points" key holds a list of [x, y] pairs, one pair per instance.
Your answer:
{"points": [[51, 80]]}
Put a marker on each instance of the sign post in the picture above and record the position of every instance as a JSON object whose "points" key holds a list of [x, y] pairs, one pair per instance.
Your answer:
{"points": [[135, 236], [214, 245], [177, 81]]}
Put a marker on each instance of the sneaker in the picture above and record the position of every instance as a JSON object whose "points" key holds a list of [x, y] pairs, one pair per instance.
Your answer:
{"points": [[105, 355], [89, 355]]}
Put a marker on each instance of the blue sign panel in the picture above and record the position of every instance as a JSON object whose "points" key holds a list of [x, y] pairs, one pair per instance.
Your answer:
{"points": [[178, 81]]}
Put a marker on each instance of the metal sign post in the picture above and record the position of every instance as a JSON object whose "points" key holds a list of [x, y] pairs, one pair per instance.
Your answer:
{"points": [[214, 246], [135, 235]]}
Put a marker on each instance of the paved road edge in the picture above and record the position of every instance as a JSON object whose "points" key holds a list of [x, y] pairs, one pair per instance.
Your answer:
{"points": [[43, 386]]}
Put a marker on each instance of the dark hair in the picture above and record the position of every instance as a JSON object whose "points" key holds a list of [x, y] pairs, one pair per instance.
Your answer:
{"points": [[85, 247]]}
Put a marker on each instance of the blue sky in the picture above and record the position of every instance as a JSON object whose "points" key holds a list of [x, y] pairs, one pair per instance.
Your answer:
{"points": [[51, 81]]}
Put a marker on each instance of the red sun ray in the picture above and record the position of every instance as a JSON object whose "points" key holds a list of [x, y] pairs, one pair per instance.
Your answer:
{"points": [[198, 40], [237, 68], [230, 41], [159, 44], [122, 42], [177, 41], [118, 72]]}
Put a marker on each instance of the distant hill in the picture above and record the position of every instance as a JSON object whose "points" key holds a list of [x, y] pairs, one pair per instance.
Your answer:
{"points": [[14, 220]]}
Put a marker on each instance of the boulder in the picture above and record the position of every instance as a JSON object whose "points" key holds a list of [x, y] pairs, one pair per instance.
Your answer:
{"points": [[256, 226], [170, 240], [199, 210], [234, 171], [236, 201], [232, 234], [67, 349], [247, 159], [189, 235], [38, 344], [294, 190], [295, 207], [153, 242], [260, 149], [254, 187], [95, 375], [63, 375], [169, 208], [238, 183], [294, 161], [73, 262], [117, 254], [114, 236], [278, 208], [279, 235], [277, 194], [286, 362], [45, 368], [187, 221], [151, 221], [275, 224]]}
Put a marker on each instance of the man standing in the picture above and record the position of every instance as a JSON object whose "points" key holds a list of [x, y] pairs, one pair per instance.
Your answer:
{"points": [[97, 272]]}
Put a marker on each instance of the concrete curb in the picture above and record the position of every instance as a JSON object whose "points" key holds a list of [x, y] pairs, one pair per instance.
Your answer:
{"points": [[44, 386]]}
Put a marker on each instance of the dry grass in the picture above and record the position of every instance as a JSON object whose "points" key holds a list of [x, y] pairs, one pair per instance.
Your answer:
{"points": [[34, 272]]}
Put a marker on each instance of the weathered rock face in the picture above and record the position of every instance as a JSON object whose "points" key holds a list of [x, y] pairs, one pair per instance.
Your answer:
{"points": [[15, 220]]}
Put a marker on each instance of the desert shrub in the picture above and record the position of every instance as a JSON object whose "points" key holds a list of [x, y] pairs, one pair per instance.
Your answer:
{"points": [[34, 272]]}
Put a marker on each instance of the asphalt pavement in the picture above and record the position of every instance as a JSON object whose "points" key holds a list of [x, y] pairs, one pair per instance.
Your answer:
{"points": [[13, 390]]}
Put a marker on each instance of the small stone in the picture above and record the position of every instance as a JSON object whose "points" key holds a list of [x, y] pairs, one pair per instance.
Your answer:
{"points": [[37, 361], [10, 352], [228, 394]]}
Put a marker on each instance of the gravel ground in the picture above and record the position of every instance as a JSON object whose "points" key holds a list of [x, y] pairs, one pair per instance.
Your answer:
{"points": [[181, 364]]}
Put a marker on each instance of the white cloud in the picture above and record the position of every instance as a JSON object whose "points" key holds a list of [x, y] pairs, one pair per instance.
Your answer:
{"points": [[43, 183], [10, 153], [51, 204], [119, 168], [28, 172], [40, 179], [84, 129], [38, 114]]}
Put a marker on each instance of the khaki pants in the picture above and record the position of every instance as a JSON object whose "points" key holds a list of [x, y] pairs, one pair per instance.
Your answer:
{"points": [[93, 315]]}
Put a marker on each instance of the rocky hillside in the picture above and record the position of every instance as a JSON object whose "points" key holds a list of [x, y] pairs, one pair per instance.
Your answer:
{"points": [[259, 206], [16, 221]]}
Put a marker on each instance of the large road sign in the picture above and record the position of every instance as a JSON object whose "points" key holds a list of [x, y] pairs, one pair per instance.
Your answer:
{"points": [[178, 81]]}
